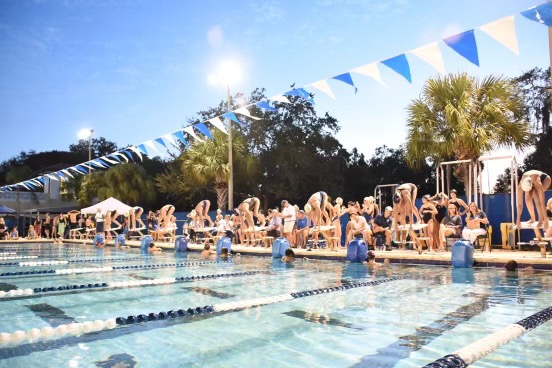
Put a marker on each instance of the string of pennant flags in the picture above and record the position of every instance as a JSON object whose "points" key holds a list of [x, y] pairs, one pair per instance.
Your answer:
{"points": [[465, 44]]}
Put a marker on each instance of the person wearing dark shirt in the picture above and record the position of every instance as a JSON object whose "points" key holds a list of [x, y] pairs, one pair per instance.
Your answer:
{"points": [[451, 225], [301, 229], [382, 225]]}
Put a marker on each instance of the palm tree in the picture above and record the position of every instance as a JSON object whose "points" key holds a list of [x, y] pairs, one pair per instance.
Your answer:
{"points": [[459, 117], [205, 165]]}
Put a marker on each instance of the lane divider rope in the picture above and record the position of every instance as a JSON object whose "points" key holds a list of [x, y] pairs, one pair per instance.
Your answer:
{"points": [[483, 347], [121, 284], [69, 271], [99, 325], [56, 262]]}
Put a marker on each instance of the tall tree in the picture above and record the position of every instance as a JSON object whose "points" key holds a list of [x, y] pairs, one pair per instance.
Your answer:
{"points": [[204, 166], [457, 115], [99, 147], [536, 89]]}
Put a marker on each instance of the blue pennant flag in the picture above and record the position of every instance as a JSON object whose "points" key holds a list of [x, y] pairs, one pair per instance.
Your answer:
{"points": [[400, 65], [203, 129], [541, 14], [161, 142], [129, 154], [80, 169], [465, 45], [60, 174], [98, 161], [232, 116], [265, 105], [40, 179], [115, 157], [299, 92], [346, 78], [30, 183], [180, 136], [142, 148]]}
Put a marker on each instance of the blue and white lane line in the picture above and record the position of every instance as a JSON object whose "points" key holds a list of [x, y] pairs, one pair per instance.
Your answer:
{"points": [[34, 334], [483, 347]]}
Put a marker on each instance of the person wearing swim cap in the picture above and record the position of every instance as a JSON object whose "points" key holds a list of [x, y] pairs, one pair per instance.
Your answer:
{"points": [[533, 183], [320, 207], [404, 199]]}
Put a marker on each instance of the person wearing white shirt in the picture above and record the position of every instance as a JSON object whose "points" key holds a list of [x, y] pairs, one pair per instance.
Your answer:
{"points": [[99, 221], [288, 217]]}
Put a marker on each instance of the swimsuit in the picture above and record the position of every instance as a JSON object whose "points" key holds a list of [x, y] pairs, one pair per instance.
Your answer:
{"points": [[543, 177], [441, 213], [426, 215]]}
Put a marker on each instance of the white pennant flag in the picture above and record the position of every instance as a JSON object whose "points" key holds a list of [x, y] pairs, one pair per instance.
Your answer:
{"points": [[96, 164], [89, 167], [170, 139], [323, 86], [66, 172], [113, 162], [279, 98], [218, 124], [52, 177], [244, 111], [122, 155], [151, 145], [504, 31], [190, 131], [137, 151], [369, 70], [431, 54], [37, 182]]}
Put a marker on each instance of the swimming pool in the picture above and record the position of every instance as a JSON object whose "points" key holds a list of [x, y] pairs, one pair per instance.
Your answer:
{"points": [[415, 315]]}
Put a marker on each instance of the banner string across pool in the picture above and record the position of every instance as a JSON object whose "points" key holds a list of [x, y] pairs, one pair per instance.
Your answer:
{"points": [[464, 44]]}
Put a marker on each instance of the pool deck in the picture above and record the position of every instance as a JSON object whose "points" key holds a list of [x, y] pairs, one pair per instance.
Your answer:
{"points": [[496, 258]]}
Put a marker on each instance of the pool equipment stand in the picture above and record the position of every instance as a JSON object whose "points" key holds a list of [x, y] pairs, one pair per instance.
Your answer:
{"points": [[181, 244], [462, 254], [224, 242], [357, 251], [279, 247]]}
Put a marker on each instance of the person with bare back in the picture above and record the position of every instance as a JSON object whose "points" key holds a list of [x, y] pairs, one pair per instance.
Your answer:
{"points": [[134, 215], [320, 206], [250, 207], [534, 183], [202, 210], [404, 199]]}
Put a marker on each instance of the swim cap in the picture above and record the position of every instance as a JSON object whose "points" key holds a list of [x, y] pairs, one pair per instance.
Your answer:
{"points": [[308, 208], [339, 201], [526, 184], [397, 198]]}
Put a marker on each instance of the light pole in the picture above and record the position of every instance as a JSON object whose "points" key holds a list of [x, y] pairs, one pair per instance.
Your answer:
{"points": [[228, 72], [83, 134]]}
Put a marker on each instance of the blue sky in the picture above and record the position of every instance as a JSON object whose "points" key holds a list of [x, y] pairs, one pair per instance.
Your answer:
{"points": [[135, 70]]}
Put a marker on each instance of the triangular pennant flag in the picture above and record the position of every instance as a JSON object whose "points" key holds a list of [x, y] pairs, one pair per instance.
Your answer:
{"points": [[161, 142], [60, 174], [112, 162], [346, 78], [431, 54], [137, 151], [169, 138], [80, 169], [100, 163], [94, 163], [464, 44], [122, 155], [204, 130], [400, 65], [66, 172], [190, 131], [503, 31], [152, 146], [369, 70], [244, 111], [265, 105], [29, 183], [142, 149], [37, 182], [541, 14], [129, 154], [323, 86], [88, 167], [180, 136], [216, 122], [23, 184], [232, 116], [114, 156], [280, 98], [52, 177], [40, 179]]}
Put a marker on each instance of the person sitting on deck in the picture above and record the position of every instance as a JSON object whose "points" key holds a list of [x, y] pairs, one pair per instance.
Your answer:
{"points": [[476, 223], [14, 234], [382, 226], [451, 226], [359, 227], [301, 230], [548, 232], [31, 234]]}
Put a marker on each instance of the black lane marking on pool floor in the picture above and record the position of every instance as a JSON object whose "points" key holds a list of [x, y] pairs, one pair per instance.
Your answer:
{"points": [[117, 361], [322, 319], [210, 292], [54, 316], [7, 287], [26, 349], [402, 348]]}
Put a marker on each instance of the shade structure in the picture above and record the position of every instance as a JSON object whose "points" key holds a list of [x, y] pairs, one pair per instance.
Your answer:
{"points": [[110, 204]]}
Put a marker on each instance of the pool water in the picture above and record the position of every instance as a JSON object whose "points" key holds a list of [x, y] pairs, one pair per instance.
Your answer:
{"points": [[402, 322]]}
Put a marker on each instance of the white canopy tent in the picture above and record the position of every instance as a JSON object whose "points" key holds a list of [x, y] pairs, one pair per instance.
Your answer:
{"points": [[110, 204]]}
